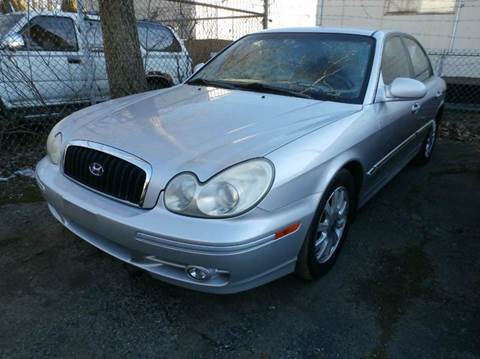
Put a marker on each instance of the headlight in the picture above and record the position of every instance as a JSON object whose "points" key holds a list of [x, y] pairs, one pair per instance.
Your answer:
{"points": [[229, 193], [54, 146]]}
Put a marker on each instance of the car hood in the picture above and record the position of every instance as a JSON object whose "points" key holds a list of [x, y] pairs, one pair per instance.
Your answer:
{"points": [[200, 129]]}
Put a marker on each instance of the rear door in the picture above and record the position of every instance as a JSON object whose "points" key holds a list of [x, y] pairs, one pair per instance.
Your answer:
{"points": [[162, 52], [97, 84]]}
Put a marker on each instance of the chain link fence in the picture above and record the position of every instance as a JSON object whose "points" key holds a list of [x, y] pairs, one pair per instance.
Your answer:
{"points": [[461, 71], [52, 59]]}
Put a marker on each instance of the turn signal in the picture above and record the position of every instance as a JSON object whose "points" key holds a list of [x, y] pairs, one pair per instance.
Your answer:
{"points": [[287, 230]]}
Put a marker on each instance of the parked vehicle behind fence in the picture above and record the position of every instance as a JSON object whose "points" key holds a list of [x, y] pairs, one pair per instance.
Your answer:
{"points": [[55, 59]]}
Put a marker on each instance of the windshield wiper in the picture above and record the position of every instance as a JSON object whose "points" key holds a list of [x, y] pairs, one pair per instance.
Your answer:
{"points": [[253, 86], [261, 87], [204, 82]]}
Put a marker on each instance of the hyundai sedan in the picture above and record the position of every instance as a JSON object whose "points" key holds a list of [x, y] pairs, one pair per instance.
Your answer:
{"points": [[255, 166]]}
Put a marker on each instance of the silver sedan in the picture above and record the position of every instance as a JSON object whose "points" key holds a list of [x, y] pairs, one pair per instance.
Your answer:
{"points": [[254, 167]]}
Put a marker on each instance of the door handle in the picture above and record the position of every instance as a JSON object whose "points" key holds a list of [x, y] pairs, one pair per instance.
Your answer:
{"points": [[74, 60], [415, 107]]}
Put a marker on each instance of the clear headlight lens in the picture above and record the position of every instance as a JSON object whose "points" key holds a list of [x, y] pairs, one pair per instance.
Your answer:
{"points": [[54, 146], [181, 192], [229, 193]]}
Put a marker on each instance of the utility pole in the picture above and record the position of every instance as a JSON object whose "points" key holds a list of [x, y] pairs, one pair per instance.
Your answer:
{"points": [[320, 16], [265, 14], [461, 4]]}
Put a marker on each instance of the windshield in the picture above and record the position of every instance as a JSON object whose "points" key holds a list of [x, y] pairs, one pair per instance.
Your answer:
{"points": [[322, 66], [7, 22]]}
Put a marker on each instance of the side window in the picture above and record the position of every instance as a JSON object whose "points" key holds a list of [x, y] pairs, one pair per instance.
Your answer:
{"points": [[156, 37], [395, 61], [94, 35], [422, 69], [50, 33]]}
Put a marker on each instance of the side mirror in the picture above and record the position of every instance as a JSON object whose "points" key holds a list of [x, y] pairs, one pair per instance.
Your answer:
{"points": [[13, 42], [198, 67], [405, 88]]}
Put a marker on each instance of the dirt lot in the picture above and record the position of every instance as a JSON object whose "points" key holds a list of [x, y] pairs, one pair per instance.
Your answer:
{"points": [[406, 285]]}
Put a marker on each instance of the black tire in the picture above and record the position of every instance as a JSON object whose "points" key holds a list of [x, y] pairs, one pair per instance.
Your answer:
{"points": [[4, 113], [308, 267], [158, 82], [428, 145]]}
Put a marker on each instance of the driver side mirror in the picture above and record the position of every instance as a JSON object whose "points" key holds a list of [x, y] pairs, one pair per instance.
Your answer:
{"points": [[405, 88], [13, 42], [198, 67]]}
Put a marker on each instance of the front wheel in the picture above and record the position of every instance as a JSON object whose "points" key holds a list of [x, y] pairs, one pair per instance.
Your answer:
{"points": [[329, 228]]}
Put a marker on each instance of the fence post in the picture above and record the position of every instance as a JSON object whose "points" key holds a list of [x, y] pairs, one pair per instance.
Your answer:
{"points": [[440, 64], [320, 9], [265, 14], [88, 63], [455, 24]]}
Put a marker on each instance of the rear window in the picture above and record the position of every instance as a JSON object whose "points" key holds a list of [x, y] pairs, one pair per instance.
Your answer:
{"points": [[152, 37], [156, 37], [94, 35], [422, 69]]}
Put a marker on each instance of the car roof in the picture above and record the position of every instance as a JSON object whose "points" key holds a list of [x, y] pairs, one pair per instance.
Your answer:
{"points": [[52, 13], [322, 29], [88, 15]]}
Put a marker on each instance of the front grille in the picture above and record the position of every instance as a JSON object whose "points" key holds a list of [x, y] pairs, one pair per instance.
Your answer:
{"points": [[105, 173]]}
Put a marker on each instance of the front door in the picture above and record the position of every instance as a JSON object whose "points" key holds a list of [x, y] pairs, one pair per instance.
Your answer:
{"points": [[422, 71], [56, 71], [398, 118]]}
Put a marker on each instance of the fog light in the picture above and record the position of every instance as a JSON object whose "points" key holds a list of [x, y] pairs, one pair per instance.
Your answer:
{"points": [[198, 273]]}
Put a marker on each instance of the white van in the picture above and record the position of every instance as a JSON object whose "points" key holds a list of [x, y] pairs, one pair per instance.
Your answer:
{"points": [[50, 60]]}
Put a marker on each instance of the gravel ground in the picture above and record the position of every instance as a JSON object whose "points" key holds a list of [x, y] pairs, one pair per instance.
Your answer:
{"points": [[407, 284]]}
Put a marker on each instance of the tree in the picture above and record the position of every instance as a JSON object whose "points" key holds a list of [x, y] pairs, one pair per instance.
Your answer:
{"points": [[125, 70], [68, 5], [13, 5]]}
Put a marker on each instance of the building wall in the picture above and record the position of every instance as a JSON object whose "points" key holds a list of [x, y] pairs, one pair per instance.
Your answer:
{"points": [[433, 30], [285, 13]]}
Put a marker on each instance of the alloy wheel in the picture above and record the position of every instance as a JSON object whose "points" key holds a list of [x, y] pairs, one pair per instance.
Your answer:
{"points": [[331, 225], [432, 136]]}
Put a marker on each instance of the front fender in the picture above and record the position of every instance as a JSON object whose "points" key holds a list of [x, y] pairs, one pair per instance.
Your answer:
{"points": [[308, 165]]}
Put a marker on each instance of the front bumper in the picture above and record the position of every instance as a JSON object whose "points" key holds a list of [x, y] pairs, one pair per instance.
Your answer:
{"points": [[240, 253]]}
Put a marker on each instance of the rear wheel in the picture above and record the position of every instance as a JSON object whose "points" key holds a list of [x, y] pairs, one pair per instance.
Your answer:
{"points": [[329, 228], [425, 153], [158, 82]]}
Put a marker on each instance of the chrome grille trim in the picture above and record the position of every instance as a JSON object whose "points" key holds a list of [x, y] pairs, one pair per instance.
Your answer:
{"points": [[115, 152]]}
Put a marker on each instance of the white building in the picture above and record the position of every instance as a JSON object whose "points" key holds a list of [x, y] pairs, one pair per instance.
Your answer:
{"points": [[438, 24], [449, 29], [288, 13]]}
